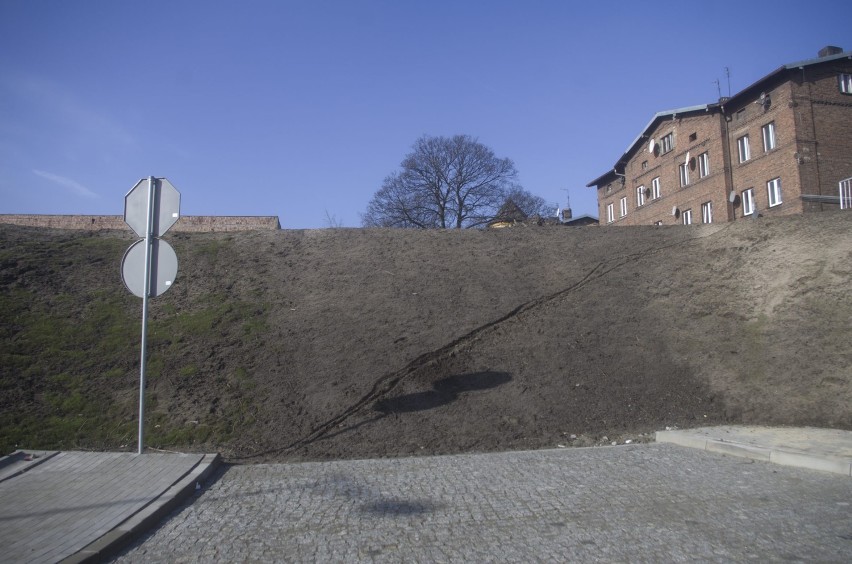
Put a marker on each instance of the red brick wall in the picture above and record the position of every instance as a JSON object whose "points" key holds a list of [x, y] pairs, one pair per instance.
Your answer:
{"points": [[748, 118], [813, 123], [187, 223], [644, 166], [832, 119], [812, 154]]}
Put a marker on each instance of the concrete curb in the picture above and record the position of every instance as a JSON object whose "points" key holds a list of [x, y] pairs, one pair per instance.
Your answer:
{"points": [[772, 454], [134, 526]]}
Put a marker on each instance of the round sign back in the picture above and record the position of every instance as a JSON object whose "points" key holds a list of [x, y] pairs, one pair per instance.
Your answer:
{"points": [[164, 267]]}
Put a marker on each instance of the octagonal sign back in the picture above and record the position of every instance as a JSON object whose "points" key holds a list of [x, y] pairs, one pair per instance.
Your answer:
{"points": [[166, 207]]}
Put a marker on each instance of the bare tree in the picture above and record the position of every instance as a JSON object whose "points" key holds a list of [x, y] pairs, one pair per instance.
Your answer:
{"points": [[332, 221], [444, 182]]}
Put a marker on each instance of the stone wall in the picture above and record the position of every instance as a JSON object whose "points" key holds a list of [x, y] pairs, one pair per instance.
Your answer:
{"points": [[187, 223]]}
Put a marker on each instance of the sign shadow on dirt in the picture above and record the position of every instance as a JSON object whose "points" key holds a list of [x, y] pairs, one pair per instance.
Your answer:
{"points": [[444, 391]]}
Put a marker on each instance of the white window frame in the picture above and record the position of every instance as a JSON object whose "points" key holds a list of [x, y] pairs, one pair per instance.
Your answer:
{"points": [[707, 212], [623, 207], [655, 188], [748, 201], [846, 194], [703, 165], [743, 150], [773, 188], [845, 81], [683, 171], [768, 132], [610, 213], [640, 196], [658, 222], [667, 143], [686, 216]]}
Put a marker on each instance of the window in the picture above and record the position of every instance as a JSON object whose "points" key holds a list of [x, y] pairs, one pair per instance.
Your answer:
{"points": [[740, 115], [623, 209], [608, 188], [707, 212], [846, 83], [640, 196], [742, 147], [658, 223], [610, 213], [748, 201], [846, 194], [774, 189], [684, 174], [644, 165], [703, 165], [693, 136], [655, 188], [667, 143], [687, 217], [768, 136]]}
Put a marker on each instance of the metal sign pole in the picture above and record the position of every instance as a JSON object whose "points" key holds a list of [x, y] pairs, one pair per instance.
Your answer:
{"points": [[145, 294], [150, 265]]}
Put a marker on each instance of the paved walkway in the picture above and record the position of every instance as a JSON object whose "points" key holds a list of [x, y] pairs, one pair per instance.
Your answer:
{"points": [[828, 450], [643, 503], [633, 503], [60, 505]]}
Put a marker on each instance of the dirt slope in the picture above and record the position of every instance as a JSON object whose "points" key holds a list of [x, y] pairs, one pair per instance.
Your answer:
{"points": [[352, 343]]}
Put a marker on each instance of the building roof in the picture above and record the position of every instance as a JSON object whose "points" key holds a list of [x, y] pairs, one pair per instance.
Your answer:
{"points": [[808, 62], [658, 117], [761, 83], [583, 219], [509, 212], [672, 114]]}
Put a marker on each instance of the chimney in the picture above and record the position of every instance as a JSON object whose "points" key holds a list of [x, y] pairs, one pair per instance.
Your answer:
{"points": [[829, 50]]}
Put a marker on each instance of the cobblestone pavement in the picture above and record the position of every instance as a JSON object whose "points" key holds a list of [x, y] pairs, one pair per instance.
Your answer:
{"points": [[634, 503]]}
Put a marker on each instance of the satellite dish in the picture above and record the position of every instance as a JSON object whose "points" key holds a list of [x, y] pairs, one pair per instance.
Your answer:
{"points": [[732, 197], [651, 146], [674, 211], [686, 161]]}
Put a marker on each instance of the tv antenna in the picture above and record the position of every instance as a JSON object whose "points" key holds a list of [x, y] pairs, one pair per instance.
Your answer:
{"points": [[719, 85], [566, 212]]}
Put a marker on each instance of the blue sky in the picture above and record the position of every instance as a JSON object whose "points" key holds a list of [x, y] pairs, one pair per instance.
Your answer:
{"points": [[301, 108]]}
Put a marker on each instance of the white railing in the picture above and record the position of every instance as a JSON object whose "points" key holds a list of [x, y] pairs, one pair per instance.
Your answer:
{"points": [[846, 194]]}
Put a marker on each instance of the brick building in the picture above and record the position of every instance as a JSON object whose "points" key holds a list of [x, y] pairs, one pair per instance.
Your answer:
{"points": [[781, 146]]}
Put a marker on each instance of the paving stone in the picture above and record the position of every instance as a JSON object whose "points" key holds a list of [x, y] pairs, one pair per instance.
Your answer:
{"points": [[635, 503]]}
